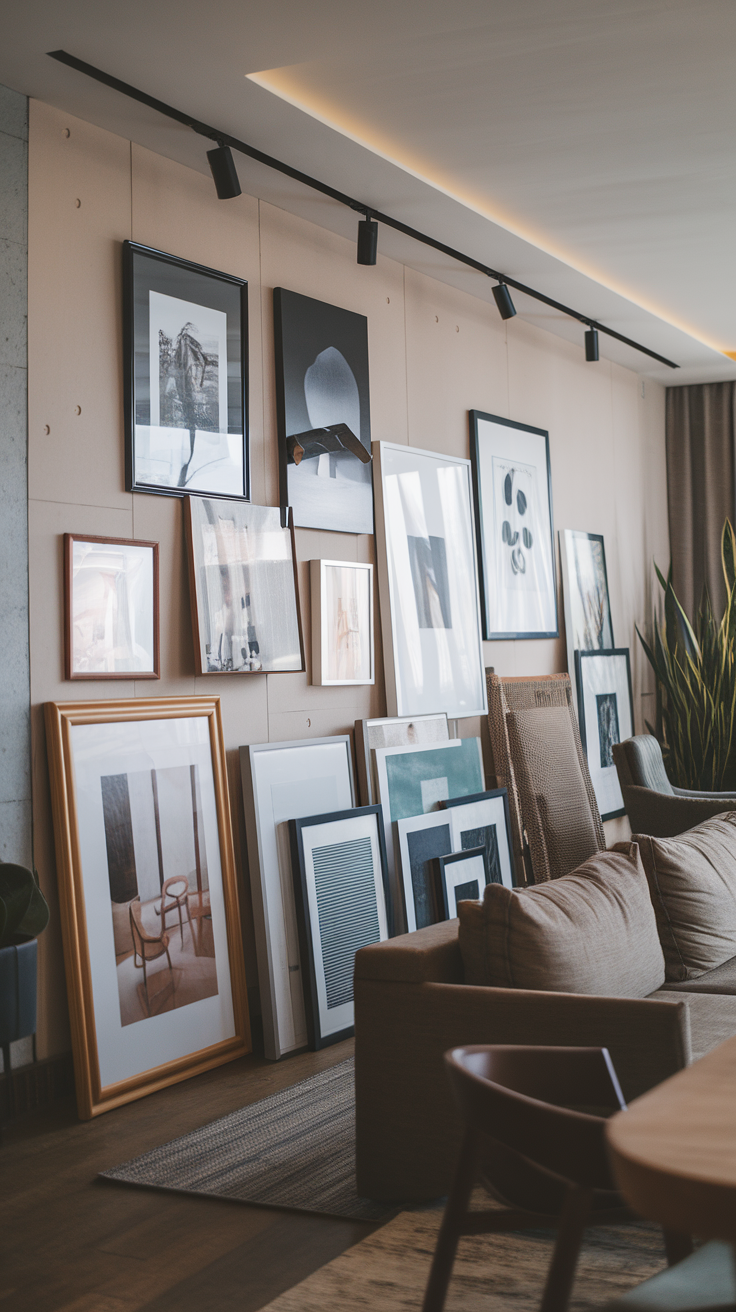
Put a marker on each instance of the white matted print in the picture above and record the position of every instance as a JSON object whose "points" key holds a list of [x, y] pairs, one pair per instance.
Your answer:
{"points": [[111, 596], [513, 498], [392, 731], [342, 622], [428, 578], [461, 877], [588, 625], [483, 821], [606, 713], [420, 840]]}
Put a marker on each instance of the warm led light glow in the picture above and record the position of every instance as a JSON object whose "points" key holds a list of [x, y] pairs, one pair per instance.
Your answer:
{"points": [[284, 83]]}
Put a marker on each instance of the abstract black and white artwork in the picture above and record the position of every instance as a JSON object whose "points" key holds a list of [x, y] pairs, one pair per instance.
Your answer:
{"points": [[482, 821], [513, 501], [323, 411], [606, 714], [185, 343], [460, 877], [420, 839], [588, 625]]}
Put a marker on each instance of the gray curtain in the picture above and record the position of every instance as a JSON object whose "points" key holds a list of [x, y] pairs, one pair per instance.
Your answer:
{"points": [[700, 487]]}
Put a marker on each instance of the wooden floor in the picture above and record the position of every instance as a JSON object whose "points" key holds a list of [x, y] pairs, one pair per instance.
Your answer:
{"points": [[72, 1243]]}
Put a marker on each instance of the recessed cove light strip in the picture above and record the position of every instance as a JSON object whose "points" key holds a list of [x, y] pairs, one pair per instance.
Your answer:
{"points": [[369, 212]]}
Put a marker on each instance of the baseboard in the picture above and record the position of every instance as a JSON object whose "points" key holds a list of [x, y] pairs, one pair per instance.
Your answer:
{"points": [[39, 1084]]}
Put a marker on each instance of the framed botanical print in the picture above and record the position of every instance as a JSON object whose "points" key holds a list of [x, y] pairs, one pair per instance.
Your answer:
{"points": [[588, 625], [149, 899], [185, 336], [428, 583], [606, 714], [461, 877], [512, 484], [111, 628], [483, 821], [342, 903], [243, 588], [392, 731], [342, 622]]}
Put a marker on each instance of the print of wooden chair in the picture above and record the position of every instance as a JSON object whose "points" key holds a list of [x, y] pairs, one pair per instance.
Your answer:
{"points": [[147, 946], [177, 901]]}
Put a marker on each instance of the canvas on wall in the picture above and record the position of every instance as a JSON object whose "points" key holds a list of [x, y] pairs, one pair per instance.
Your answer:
{"points": [[606, 714], [323, 413]]}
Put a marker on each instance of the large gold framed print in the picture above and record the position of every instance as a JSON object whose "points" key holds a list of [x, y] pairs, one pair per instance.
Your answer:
{"points": [[149, 901]]}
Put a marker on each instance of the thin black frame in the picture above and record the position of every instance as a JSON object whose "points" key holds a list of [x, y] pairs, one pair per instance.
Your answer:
{"points": [[598, 654], [488, 795], [439, 863], [473, 417], [304, 925], [130, 250]]}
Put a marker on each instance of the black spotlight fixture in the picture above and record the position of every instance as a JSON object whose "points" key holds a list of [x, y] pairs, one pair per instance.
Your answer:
{"points": [[591, 345], [367, 240], [504, 303], [224, 172]]}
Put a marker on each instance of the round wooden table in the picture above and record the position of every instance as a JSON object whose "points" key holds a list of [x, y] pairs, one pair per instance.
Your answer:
{"points": [[674, 1151]]}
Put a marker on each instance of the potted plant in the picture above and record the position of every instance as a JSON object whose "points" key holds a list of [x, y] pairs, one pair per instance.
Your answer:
{"points": [[24, 913]]}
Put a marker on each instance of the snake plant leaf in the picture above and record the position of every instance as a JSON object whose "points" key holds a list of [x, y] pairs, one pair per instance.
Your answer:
{"points": [[728, 555]]}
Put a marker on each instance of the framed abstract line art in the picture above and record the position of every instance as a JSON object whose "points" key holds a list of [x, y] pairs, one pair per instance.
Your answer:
{"points": [[111, 628], [323, 413], [282, 782], [149, 900], [185, 337], [588, 625], [243, 588], [483, 821], [513, 502], [461, 877], [342, 622], [406, 731], [420, 839], [606, 714], [428, 582], [341, 891]]}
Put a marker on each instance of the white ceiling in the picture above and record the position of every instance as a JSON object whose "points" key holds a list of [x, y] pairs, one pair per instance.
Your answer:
{"points": [[585, 147]]}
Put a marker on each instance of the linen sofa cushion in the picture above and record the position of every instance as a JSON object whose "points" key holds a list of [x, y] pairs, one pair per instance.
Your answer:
{"points": [[592, 931], [692, 881]]}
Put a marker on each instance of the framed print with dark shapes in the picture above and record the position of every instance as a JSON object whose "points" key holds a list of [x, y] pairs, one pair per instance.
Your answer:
{"points": [[512, 484], [243, 588], [483, 821], [606, 714], [428, 583], [588, 625], [418, 840], [111, 628], [342, 622], [185, 335], [323, 413], [149, 901], [282, 782], [461, 877], [342, 902], [392, 731]]}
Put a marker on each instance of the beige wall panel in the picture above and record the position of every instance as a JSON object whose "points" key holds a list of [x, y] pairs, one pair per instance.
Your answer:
{"points": [[74, 316], [292, 726], [160, 519]]}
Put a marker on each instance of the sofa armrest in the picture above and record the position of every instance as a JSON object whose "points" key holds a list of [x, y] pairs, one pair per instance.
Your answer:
{"points": [[407, 1130], [664, 815], [427, 954]]}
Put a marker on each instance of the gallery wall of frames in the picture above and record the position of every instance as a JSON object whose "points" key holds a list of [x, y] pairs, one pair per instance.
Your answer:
{"points": [[222, 404]]}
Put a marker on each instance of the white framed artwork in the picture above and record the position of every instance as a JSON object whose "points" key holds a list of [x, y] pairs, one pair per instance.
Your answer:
{"points": [[606, 714], [483, 821], [461, 877], [420, 839], [342, 622]]}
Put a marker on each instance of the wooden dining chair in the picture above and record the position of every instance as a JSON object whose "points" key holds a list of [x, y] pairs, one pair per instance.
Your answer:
{"points": [[534, 1120], [147, 946], [176, 889]]}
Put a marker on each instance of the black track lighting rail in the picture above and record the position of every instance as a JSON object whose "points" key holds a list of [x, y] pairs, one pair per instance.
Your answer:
{"points": [[368, 211]]}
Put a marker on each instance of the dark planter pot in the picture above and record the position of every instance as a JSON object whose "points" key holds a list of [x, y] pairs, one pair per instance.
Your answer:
{"points": [[18, 991]]}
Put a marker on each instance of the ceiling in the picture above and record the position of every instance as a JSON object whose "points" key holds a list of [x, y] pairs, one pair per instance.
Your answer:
{"points": [[584, 147]]}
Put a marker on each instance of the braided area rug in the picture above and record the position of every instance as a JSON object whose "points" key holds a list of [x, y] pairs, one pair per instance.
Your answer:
{"points": [[294, 1149]]}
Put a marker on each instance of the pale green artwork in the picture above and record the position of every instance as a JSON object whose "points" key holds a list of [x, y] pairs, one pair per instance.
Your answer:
{"points": [[419, 780]]}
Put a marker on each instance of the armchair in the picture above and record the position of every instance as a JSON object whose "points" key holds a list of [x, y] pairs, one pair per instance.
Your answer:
{"points": [[652, 804]]}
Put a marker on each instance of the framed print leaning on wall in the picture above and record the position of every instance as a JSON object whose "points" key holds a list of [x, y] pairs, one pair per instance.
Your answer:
{"points": [[342, 622], [588, 625], [149, 900], [243, 588], [420, 839], [461, 877], [185, 338], [483, 821], [111, 608], [513, 501], [391, 731], [428, 582], [606, 715]]}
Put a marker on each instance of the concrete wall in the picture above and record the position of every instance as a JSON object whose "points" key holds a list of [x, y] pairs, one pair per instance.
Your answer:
{"points": [[434, 353]]}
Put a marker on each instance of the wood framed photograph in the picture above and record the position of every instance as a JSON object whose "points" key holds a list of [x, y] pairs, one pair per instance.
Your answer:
{"points": [[461, 877], [342, 622], [483, 821], [149, 899], [512, 483], [606, 714], [392, 731], [428, 582], [111, 620], [419, 840], [282, 782], [185, 335], [342, 903], [588, 624], [243, 588]]}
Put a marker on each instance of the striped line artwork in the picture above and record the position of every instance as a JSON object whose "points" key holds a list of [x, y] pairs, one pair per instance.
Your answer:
{"points": [[348, 913]]}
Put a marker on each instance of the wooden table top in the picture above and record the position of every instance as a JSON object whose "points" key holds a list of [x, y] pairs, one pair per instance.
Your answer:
{"points": [[674, 1151]]}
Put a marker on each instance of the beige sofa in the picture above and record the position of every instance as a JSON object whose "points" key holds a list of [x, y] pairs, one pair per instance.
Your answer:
{"points": [[412, 1004]]}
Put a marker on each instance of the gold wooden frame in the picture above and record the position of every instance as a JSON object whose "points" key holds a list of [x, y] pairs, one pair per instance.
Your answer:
{"points": [[61, 717]]}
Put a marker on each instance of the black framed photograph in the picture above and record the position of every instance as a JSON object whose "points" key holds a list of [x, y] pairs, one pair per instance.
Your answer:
{"points": [[512, 487], [588, 624], [185, 337], [323, 413], [340, 876], [606, 714], [461, 877]]}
